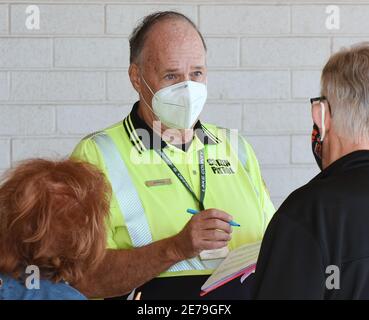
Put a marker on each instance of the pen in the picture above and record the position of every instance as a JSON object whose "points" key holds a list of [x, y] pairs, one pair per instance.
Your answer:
{"points": [[232, 223]]}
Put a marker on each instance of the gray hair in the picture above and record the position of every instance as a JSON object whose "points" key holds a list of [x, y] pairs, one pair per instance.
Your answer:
{"points": [[139, 34], [345, 83]]}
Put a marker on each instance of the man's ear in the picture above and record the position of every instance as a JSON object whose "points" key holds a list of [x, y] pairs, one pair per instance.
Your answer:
{"points": [[134, 76], [317, 117], [328, 119]]}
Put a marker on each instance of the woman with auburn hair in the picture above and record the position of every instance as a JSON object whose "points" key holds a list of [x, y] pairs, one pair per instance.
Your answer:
{"points": [[52, 217]]}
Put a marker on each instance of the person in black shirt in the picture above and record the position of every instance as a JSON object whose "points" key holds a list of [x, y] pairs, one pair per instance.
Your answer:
{"points": [[317, 244]]}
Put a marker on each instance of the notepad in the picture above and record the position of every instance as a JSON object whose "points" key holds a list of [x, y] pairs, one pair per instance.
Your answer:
{"points": [[239, 262]]}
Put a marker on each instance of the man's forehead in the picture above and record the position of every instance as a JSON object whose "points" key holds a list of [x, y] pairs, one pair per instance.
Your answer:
{"points": [[173, 44]]}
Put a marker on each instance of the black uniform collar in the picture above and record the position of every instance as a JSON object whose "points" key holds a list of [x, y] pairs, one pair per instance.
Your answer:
{"points": [[351, 161], [144, 138]]}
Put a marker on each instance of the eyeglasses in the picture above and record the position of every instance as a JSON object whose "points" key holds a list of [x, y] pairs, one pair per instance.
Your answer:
{"points": [[319, 100]]}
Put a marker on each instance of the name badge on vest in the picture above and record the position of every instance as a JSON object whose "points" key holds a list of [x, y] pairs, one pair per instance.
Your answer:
{"points": [[159, 182], [214, 254]]}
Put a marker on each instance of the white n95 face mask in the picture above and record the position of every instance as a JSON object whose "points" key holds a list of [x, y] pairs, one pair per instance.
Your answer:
{"points": [[179, 105]]}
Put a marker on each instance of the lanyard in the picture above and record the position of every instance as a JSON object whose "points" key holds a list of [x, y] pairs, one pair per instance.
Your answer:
{"points": [[183, 180]]}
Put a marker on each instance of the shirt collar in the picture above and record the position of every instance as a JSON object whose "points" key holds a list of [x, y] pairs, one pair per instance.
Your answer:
{"points": [[353, 160], [144, 138]]}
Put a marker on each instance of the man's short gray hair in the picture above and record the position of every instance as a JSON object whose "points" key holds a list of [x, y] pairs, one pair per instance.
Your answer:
{"points": [[345, 83], [139, 34]]}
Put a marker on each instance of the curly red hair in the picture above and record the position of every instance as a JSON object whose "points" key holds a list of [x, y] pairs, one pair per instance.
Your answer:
{"points": [[52, 215]]}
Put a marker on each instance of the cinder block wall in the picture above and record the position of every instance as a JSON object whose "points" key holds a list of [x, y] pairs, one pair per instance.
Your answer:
{"points": [[70, 77]]}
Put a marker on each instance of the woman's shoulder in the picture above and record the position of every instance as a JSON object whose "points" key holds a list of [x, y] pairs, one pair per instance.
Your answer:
{"points": [[13, 289]]}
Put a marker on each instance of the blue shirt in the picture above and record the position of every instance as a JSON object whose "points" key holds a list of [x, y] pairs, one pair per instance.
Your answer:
{"points": [[12, 289]]}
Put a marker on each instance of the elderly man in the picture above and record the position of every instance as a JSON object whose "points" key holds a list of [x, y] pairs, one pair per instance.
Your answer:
{"points": [[317, 244], [161, 160]]}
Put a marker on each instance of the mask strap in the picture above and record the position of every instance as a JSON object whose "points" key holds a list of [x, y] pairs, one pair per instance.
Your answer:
{"points": [[144, 100], [147, 104], [323, 121], [147, 85], [143, 96]]}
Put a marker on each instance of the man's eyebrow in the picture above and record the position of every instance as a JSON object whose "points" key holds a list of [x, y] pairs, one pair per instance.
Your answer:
{"points": [[171, 70], [198, 67]]}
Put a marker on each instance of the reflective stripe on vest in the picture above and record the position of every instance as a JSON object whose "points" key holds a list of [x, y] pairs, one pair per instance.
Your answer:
{"points": [[125, 192], [129, 201], [241, 153]]}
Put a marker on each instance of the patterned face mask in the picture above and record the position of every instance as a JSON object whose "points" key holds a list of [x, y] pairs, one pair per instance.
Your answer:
{"points": [[317, 146]]}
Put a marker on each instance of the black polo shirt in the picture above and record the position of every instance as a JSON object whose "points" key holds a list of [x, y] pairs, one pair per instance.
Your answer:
{"points": [[320, 229]]}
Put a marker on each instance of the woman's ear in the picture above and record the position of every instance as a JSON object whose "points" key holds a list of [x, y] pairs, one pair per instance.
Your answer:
{"points": [[134, 76]]}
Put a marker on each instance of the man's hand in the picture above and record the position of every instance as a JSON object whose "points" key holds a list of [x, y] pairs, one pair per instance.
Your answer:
{"points": [[209, 229]]}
